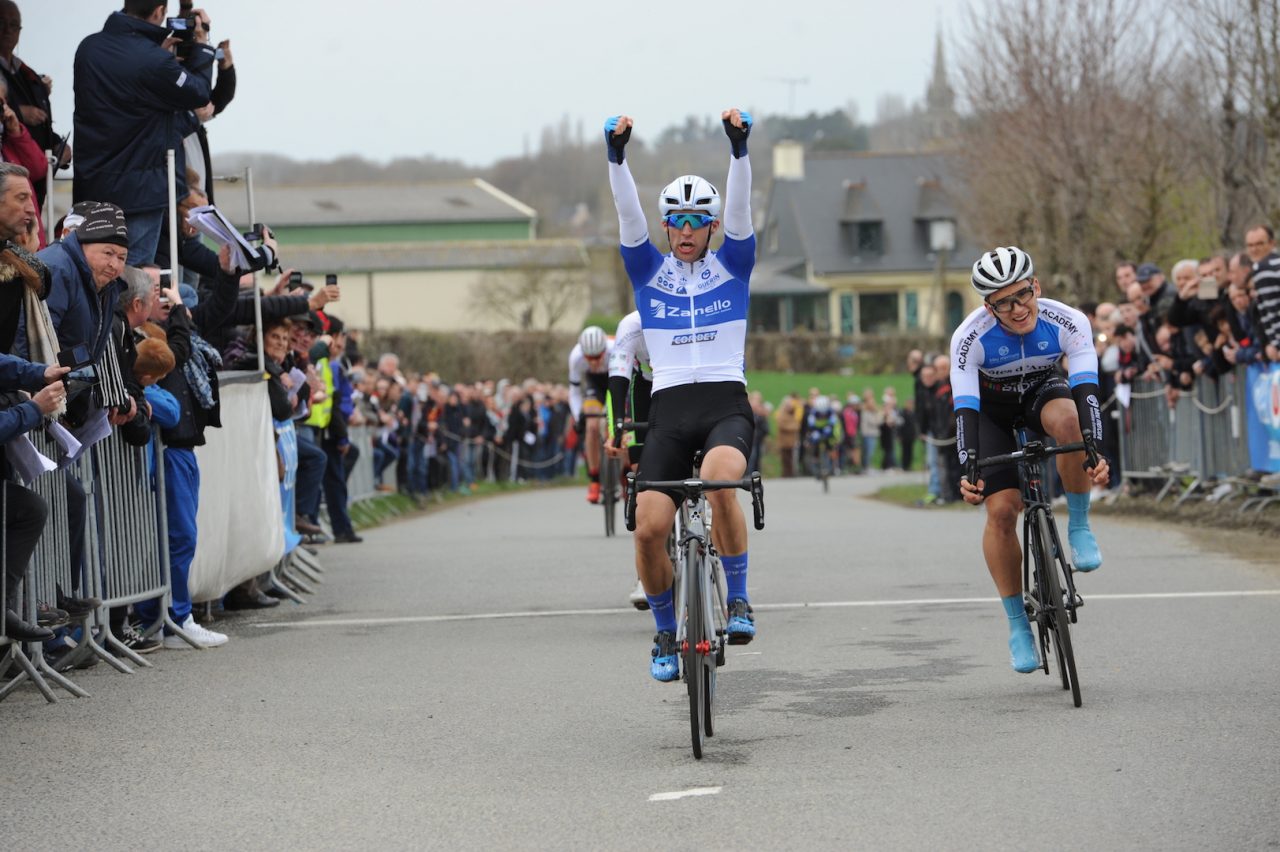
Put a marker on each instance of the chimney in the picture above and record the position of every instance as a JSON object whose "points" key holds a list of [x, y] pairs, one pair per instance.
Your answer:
{"points": [[788, 160]]}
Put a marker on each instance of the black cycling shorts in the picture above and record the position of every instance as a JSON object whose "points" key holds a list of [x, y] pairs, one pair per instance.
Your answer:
{"points": [[688, 418], [594, 386], [1000, 407]]}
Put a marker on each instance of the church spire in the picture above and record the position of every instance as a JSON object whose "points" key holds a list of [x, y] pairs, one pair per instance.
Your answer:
{"points": [[940, 98]]}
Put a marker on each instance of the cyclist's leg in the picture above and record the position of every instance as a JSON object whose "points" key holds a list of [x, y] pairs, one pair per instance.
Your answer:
{"points": [[727, 443], [1058, 419], [1000, 543]]}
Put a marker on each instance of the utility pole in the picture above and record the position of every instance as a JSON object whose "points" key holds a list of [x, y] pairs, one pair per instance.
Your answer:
{"points": [[791, 83]]}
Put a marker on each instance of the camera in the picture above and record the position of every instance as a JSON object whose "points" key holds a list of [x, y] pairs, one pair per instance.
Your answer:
{"points": [[74, 357], [184, 29], [255, 236], [331, 280], [1207, 289], [80, 380], [263, 256]]}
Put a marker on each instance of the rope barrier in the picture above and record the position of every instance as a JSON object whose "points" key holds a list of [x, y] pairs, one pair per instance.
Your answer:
{"points": [[1204, 409]]}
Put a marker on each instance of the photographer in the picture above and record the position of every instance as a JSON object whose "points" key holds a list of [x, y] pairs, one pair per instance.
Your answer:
{"points": [[28, 95], [133, 97]]}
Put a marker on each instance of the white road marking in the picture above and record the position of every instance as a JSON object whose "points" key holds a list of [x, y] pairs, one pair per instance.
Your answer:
{"points": [[684, 794], [565, 613]]}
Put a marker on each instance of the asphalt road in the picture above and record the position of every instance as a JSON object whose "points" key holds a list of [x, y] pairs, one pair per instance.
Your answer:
{"points": [[473, 679]]}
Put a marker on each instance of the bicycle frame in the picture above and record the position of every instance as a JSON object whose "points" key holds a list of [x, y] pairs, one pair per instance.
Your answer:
{"points": [[1031, 474]]}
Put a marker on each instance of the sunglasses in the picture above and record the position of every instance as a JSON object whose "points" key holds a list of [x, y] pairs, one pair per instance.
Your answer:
{"points": [[693, 220], [1007, 304]]}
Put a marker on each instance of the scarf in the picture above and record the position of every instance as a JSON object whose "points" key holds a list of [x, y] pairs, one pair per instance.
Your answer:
{"points": [[197, 370]]}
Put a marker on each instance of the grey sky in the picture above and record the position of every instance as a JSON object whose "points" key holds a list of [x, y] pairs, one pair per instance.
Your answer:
{"points": [[474, 80]]}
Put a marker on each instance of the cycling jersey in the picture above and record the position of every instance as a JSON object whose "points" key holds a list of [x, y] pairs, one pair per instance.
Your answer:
{"points": [[989, 362], [630, 354], [820, 427], [580, 373], [630, 377], [694, 315]]}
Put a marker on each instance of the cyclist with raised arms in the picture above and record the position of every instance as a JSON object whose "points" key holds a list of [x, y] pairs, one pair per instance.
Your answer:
{"points": [[1005, 365], [693, 310], [588, 384], [630, 384]]}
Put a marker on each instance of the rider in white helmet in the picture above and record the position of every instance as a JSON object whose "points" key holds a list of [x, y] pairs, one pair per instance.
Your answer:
{"points": [[1005, 365], [693, 311], [588, 384]]}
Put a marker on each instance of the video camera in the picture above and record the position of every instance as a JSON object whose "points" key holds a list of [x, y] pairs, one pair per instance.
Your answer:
{"points": [[83, 375], [184, 29], [264, 256]]}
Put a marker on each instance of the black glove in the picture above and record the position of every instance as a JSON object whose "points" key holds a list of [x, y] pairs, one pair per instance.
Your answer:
{"points": [[738, 135], [971, 470], [615, 142], [1090, 452]]}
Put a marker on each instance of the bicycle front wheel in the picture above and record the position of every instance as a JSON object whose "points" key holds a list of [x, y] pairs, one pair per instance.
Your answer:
{"points": [[609, 494], [694, 635], [1059, 618]]}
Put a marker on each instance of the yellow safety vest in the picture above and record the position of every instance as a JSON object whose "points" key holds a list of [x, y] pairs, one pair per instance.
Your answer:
{"points": [[322, 412]]}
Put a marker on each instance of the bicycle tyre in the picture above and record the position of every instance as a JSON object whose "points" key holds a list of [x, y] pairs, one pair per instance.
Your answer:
{"points": [[694, 632], [1060, 621], [609, 495]]}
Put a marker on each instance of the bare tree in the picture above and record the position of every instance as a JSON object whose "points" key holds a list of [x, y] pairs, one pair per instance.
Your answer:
{"points": [[1073, 147], [529, 297]]}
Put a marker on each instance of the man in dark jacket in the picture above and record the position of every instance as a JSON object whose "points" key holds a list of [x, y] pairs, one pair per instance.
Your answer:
{"points": [[133, 100]]}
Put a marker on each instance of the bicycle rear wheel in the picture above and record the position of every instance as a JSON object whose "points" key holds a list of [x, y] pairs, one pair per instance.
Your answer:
{"points": [[694, 634], [1059, 619]]}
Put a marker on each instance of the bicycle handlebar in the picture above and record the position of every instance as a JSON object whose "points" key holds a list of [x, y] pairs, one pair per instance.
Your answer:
{"points": [[693, 487], [627, 426], [1033, 451]]}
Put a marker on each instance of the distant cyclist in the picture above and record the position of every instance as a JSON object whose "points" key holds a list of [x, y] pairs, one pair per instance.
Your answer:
{"points": [[1006, 364], [693, 309], [630, 385], [588, 383], [820, 430]]}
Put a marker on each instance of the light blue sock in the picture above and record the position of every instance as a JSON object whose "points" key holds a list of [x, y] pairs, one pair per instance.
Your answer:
{"points": [[1078, 511], [735, 576], [664, 611], [1015, 609]]}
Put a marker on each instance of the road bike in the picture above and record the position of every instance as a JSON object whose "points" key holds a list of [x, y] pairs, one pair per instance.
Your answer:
{"points": [[818, 459], [1049, 589], [701, 611], [610, 477]]}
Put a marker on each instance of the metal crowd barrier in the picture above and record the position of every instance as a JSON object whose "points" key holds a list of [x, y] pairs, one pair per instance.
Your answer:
{"points": [[1187, 448]]}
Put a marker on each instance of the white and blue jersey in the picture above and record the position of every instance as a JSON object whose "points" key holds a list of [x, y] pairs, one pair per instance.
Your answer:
{"points": [[630, 353], [987, 356], [694, 315]]}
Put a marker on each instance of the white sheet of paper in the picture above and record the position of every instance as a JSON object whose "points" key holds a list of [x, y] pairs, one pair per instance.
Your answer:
{"points": [[26, 460], [94, 430], [1124, 392], [210, 221], [66, 442]]}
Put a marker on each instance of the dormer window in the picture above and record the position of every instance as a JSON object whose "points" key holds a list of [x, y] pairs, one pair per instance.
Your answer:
{"points": [[870, 238]]}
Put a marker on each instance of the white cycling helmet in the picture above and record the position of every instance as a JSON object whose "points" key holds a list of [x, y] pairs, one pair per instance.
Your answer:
{"points": [[999, 268], [822, 404], [689, 192], [593, 341]]}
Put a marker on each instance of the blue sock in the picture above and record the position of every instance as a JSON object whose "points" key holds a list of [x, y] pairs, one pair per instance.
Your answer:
{"points": [[1015, 609], [735, 576], [664, 611], [1078, 511]]}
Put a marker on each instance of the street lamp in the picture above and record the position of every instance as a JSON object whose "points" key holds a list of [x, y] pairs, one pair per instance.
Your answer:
{"points": [[942, 240]]}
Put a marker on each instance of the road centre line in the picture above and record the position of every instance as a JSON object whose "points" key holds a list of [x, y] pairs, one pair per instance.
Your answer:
{"points": [[565, 613], [684, 794]]}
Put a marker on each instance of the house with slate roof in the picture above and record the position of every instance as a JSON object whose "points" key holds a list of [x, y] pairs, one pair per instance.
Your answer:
{"points": [[861, 243]]}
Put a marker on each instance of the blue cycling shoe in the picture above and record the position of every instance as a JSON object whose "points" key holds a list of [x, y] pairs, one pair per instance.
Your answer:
{"points": [[1084, 549], [1022, 649], [742, 624], [666, 662]]}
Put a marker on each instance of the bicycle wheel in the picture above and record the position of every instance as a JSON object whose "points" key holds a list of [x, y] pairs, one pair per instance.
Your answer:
{"points": [[1059, 620], [609, 494], [694, 633]]}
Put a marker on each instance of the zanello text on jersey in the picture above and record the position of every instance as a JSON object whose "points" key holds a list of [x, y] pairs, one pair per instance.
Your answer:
{"points": [[664, 310]]}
